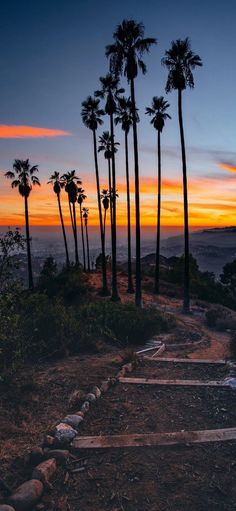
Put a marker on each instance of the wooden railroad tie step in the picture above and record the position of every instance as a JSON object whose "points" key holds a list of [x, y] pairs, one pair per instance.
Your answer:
{"points": [[154, 439], [177, 383], [188, 361]]}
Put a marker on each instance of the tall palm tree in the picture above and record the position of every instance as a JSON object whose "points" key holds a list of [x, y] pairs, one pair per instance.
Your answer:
{"points": [[126, 58], [180, 61], [159, 115], [125, 118], [85, 217], [105, 146], [58, 184], [80, 200], [71, 182], [24, 178], [105, 198], [110, 92], [91, 116]]}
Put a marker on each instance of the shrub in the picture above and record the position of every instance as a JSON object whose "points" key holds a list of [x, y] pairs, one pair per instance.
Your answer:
{"points": [[70, 284], [233, 345], [123, 323], [220, 318]]}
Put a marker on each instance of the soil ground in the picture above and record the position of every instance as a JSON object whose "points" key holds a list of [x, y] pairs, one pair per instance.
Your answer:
{"points": [[177, 478]]}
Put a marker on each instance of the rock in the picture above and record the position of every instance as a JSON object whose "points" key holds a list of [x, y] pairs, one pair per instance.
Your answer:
{"points": [[91, 397], [36, 455], [97, 392], [65, 433], [45, 470], [26, 495], [73, 420], [128, 367], [80, 414], [61, 455], [48, 440], [85, 407], [75, 397], [5, 507]]}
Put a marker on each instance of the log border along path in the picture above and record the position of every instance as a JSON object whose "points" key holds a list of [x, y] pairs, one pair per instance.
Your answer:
{"points": [[160, 439]]}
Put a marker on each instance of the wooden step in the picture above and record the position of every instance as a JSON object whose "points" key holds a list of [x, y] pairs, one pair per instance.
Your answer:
{"points": [[154, 439], [181, 383], [188, 360]]}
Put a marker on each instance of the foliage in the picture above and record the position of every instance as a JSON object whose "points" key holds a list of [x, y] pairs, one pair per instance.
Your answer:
{"points": [[70, 284], [122, 322], [221, 319], [228, 277], [10, 244], [233, 345]]}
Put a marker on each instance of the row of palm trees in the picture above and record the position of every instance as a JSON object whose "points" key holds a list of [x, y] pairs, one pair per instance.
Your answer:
{"points": [[126, 58], [24, 177]]}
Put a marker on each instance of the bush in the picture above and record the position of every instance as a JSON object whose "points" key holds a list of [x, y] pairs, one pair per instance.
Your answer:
{"points": [[221, 319], [122, 322], [71, 285], [233, 345]]}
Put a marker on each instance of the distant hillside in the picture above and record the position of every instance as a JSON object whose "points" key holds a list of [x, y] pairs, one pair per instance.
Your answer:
{"points": [[213, 248]]}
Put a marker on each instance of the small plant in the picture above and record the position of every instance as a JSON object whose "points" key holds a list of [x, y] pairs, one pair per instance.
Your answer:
{"points": [[220, 318]]}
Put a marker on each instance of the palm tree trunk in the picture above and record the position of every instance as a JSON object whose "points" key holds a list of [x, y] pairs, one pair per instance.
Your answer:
{"points": [[63, 231], [114, 292], [87, 243], [104, 227], [104, 291], [110, 187], [82, 234], [130, 288], [186, 308], [71, 215], [75, 235], [138, 290], [157, 267], [30, 272]]}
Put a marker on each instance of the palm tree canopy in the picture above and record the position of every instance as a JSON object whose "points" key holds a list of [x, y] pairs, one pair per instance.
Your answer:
{"points": [[124, 113], [180, 60], [71, 180], [91, 113], [127, 51], [81, 195], [110, 91], [105, 198], [57, 182], [106, 145], [85, 213], [158, 112], [23, 176]]}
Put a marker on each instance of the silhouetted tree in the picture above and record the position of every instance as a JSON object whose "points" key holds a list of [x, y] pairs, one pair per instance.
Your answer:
{"points": [[110, 92], [91, 116], [71, 181], [180, 61], [105, 198], [24, 178], [126, 58], [80, 200], [85, 217], [158, 112], [105, 146], [58, 184], [125, 118]]}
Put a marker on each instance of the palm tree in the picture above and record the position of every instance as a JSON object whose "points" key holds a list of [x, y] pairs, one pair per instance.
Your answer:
{"points": [[71, 181], [85, 216], [105, 146], [80, 200], [105, 198], [110, 92], [24, 178], [158, 112], [125, 118], [91, 116], [58, 184], [126, 58], [180, 61]]}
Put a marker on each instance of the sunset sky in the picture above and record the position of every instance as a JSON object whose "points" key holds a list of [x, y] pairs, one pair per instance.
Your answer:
{"points": [[52, 55]]}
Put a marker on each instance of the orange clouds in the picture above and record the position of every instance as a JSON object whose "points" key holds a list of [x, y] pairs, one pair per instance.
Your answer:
{"points": [[7, 131], [227, 166]]}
